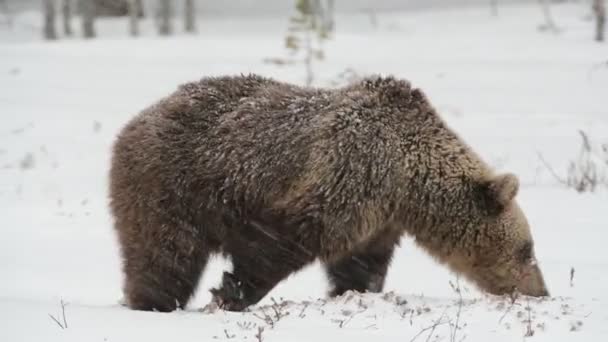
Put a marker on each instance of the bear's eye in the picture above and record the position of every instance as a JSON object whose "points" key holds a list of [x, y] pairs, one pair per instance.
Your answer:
{"points": [[524, 254]]}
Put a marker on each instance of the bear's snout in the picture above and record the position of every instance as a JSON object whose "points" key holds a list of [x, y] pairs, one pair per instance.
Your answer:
{"points": [[532, 282]]}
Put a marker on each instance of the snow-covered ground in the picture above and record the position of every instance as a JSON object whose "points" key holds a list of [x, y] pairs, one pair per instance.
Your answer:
{"points": [[513, 92]]}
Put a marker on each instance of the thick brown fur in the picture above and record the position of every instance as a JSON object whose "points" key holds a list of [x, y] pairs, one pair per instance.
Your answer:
{"points": [[277, 176]]}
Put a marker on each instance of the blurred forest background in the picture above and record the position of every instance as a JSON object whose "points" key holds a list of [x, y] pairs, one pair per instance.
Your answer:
{"points": [[310, 22], [171, 16]]}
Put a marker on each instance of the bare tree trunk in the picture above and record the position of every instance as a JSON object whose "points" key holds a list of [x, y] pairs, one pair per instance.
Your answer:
{"points": [[134, 12], [66, 10], [494, 7], [49, 30], [599, 8], [189, 16], [88, 18], [165, 13]]}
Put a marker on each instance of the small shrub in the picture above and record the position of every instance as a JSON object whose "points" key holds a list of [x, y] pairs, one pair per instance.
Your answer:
{"points": [[590, 169]]}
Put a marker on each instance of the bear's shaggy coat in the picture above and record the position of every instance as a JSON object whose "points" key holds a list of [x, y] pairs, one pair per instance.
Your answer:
{"points": [[276, 176]]}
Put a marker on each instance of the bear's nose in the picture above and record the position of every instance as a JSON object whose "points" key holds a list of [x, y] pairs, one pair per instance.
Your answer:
{"points": [[532, 282]]}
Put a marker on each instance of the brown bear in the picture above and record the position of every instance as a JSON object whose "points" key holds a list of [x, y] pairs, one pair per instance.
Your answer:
{"points": [[276, 176]]}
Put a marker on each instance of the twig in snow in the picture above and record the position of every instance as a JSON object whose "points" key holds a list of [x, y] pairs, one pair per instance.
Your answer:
{"points": [[266, 318], [551, 170], [259, 336], [529, 330], [301, 314], [56, 321], [513, 300], [428, 338], [432, 327], [571, 276], [278, 309], [456, 288], [64, 324], [246, 325], [344, 322], [228, 336]]}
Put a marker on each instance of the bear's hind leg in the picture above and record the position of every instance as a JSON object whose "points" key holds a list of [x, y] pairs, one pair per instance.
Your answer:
{"points": [[363, 271], [163, 274]]}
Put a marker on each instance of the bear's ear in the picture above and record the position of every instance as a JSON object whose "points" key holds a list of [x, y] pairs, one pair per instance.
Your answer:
{"points": [[503, 188]]}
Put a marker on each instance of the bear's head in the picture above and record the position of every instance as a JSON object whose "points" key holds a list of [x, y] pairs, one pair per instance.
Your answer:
{"points": [[502, 260]]}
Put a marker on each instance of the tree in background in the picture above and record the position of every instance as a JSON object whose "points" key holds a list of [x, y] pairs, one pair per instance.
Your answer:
{"points": [[49, 29], [309, 27], [88, 18], [134, 11], [116, 8], [189, 16], [165, 12], [325, 12], [599, 9], [66, 10]]}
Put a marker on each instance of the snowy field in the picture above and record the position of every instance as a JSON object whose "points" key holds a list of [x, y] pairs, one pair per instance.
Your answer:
{"points": [[511, 90]]}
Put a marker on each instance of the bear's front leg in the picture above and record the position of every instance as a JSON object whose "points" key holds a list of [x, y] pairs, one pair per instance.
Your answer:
{"points": [[250, 282], [254, 276], [365, 269], [263, 255]]}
